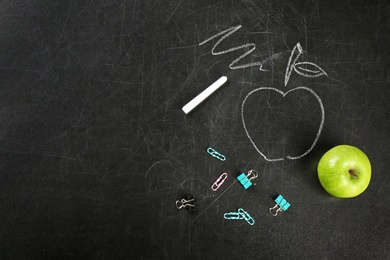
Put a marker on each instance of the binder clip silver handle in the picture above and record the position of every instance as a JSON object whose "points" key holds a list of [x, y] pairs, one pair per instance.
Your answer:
{"points": [[277, 208], [254, 173], [186, 203]]}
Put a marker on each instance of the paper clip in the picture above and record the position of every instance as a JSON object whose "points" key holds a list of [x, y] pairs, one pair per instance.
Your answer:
{"points": [[241, 214], [216, 154], [233, 215], [245, 180], [281, 205], [219, 181], [246, 216], [188, 203]]}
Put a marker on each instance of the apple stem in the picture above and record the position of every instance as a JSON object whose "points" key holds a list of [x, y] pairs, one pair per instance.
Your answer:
{"points": [[353, 173]]}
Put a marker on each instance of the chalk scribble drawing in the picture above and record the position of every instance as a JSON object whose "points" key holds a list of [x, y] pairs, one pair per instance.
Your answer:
{"points": [[249, 47]]}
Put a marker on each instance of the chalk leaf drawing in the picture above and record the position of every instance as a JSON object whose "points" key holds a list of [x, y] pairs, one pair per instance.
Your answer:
{"points": [[301, 69], [306, 69], [249, 47], [284, 94]]}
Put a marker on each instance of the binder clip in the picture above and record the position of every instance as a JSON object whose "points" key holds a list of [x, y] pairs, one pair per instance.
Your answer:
{"points": [[281, 205], [187, 203], [216, 154], [221, 179], [241, 214], [245, 180]]}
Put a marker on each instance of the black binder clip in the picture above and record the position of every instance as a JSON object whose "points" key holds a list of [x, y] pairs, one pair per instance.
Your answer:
{"points": [[187, 203]]}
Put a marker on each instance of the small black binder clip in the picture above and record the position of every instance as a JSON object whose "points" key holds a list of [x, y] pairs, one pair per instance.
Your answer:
{"points": [[187, 203]]}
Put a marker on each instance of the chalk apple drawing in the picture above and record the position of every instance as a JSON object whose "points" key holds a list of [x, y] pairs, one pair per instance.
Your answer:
{"points": [[284, 94]]}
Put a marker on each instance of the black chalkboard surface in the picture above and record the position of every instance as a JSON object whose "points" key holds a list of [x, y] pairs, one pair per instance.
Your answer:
{"points": [[95, 148]]}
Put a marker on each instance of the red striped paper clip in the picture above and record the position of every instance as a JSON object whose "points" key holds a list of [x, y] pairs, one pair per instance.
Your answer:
{"points": [[221, 179]]}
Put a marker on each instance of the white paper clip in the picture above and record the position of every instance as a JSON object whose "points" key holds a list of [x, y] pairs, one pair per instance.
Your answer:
{"points": [[221, 179]]}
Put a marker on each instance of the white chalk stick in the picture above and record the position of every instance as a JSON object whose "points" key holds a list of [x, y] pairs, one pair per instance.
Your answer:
{"points": [[204, 94]]}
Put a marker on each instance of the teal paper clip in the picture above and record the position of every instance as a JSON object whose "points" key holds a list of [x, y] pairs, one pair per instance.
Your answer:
{"points": [[246, 216], [245, 180], [281, 205], [216, 154], [241, 214], [233, 215]]}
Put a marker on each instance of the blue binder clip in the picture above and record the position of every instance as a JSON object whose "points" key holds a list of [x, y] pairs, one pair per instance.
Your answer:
{"points": [[245, 180], [281, 205]]}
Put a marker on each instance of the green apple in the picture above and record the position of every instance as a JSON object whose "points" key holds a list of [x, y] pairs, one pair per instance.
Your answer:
{"points": [[344, 171]]}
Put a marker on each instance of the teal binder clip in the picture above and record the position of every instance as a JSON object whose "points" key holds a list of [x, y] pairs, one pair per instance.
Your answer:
{"points": [[281, 205], [245, 180]]}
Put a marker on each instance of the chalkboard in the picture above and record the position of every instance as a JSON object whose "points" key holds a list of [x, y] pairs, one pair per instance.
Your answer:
{"points": [[96, 150]]}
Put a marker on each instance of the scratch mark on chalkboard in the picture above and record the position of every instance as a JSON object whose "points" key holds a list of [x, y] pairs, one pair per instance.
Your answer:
{"points": [[177, 92], [40, 154], [117, 81], [189, 236], [142, 82], [195, 60], [65, 24], [133, 12], [151, 167], [191, 180], [247, 82], [284, 94], [123, 14], [208, 71], [214, 200], [82, 164], [172, 13], [182, 47], [249, 46], [304, 24], [181, 41]]}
